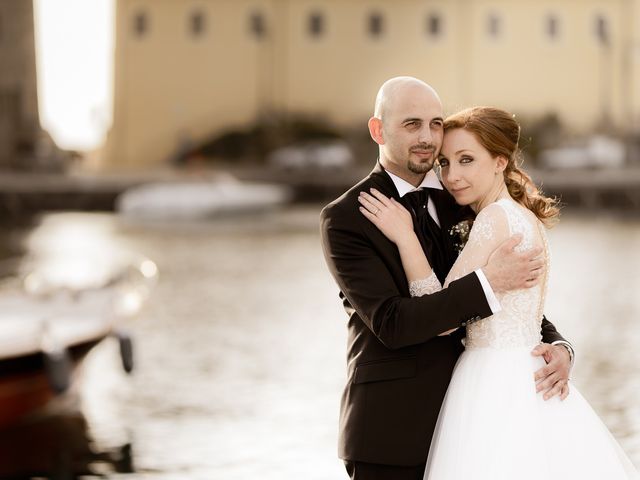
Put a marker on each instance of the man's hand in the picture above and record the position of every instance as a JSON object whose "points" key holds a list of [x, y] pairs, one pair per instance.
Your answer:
{"points": [[553, 378], [507, 269]]}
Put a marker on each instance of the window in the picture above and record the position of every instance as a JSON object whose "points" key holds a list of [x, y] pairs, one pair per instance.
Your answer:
{"points": [[494, 25], [551, 26], [602, 30], [434, 25], [257, 25], [140, 24], [316, 24], [376, 24], [197, 23]]}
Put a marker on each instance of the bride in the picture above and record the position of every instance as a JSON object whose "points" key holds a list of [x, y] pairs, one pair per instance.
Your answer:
{"points": [[493, 425]]}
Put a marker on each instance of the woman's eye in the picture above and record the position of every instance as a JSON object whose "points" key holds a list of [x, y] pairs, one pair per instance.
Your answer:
{"points": [[466, 160], [443, 162]]}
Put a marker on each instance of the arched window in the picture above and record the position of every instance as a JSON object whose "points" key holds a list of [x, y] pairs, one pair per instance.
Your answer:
{"points": [[375, 24], [197, 23], [316, 24], [257, 25], [140, 24]]}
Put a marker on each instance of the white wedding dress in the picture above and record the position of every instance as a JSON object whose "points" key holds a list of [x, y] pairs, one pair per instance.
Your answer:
{"points": [[492, 424]]}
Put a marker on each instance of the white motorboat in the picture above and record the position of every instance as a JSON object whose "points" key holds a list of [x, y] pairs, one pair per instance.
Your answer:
{"points": [[199, 199]]}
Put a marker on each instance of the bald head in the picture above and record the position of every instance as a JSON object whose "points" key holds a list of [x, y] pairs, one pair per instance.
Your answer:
{"points": [[396, 89], [407, 126]]}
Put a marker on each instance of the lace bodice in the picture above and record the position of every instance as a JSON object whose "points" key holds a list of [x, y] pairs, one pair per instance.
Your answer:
{"points": [[518, 324]]}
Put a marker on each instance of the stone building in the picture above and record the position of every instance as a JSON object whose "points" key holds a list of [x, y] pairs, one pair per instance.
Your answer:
{"points": [[19, 121], [186, 69]]}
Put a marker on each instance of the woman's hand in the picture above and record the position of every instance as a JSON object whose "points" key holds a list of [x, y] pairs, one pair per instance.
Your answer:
{"points": [[388, 215]]}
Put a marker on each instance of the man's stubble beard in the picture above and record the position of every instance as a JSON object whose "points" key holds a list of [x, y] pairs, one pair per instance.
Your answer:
{"points": [[425, 166], [419, 168]]}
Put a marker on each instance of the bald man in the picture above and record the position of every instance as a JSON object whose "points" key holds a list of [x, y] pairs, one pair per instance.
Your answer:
{"points": [[398, 366]]}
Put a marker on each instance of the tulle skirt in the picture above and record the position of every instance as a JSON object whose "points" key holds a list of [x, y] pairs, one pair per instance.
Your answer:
{"points": [[494, 426]]}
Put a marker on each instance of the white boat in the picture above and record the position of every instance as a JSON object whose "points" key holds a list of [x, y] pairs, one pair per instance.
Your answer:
{"points": [[199, 199]]}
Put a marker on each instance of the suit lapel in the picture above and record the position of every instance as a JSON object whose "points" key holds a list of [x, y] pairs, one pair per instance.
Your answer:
{"points": [[382, 181]]}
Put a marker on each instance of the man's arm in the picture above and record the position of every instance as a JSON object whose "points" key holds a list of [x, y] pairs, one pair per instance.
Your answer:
{"points": [[368, 285]]}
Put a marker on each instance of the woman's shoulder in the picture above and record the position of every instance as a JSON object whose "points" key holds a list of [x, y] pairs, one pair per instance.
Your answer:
{"points": [[519, 219], [509, 209], [491, 223], [516, 212], [497, 211]]}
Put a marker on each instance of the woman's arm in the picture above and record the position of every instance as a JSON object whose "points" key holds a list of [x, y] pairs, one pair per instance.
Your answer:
{"points": [[370, 286], [490, 229], [395, 222]]}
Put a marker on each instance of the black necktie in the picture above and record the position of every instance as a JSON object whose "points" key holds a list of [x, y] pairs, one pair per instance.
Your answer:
{"points": [[428, 231]]}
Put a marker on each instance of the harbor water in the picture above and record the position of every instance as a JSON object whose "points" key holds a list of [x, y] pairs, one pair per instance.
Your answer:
{"points": [[240, 351]]}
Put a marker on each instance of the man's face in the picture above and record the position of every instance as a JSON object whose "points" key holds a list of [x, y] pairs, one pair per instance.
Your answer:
{"points": [[412, 131]]}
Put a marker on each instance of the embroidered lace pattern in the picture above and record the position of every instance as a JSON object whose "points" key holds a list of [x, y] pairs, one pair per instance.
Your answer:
{"points": [[518, 324], [431, 284]]}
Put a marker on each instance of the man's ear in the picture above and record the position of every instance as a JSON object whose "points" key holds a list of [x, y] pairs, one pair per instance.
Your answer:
{"points": [[375, 130]]}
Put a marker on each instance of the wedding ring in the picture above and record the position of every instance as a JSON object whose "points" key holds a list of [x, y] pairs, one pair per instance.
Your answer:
{"points": [[376, 212]]}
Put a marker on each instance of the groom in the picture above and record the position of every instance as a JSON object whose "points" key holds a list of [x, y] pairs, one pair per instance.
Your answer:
{"points": [[398, 366]]}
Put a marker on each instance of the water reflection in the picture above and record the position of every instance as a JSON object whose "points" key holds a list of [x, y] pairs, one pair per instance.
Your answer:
{"points": [[240, 353], [58, 446]]}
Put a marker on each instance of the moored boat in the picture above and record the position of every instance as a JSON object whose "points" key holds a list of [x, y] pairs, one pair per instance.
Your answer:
{"points": [[199, 199], [46, 330]]}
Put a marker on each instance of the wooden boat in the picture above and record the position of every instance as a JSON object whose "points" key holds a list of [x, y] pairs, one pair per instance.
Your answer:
{"points": [[45, 333]]}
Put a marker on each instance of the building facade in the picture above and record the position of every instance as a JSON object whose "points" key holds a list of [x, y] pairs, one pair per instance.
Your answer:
{"points": [[19, 121], [187, 69]]}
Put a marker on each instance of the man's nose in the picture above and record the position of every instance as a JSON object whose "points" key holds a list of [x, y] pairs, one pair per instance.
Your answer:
{"points": [[425, 135]]}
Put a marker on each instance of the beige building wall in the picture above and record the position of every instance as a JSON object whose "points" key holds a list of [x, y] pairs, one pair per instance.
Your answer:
{"points": [[171, 86], [338, 74], [524, 69]]}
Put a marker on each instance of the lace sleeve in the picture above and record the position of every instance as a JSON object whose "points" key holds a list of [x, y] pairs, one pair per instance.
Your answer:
{"points": [[489, 230], [426, 286]]}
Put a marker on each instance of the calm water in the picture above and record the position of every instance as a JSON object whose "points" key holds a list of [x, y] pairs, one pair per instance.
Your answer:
{"points": [[240, 352]]}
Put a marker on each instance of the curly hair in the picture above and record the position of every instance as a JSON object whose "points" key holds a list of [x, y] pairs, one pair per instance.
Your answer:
{"points": [[499, 133]]}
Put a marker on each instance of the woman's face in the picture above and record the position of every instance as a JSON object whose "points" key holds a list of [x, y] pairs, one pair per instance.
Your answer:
{"points": [[469, 172]]}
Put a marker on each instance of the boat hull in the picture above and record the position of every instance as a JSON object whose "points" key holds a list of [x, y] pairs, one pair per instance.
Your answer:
{"points": [[25, 386]]}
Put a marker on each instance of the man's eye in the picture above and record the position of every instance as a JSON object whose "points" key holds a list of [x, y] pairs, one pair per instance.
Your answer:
{"points": [[437, 124]]}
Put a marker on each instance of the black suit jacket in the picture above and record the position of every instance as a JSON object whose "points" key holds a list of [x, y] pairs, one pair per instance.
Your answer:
{"points": [[398, 367]]}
